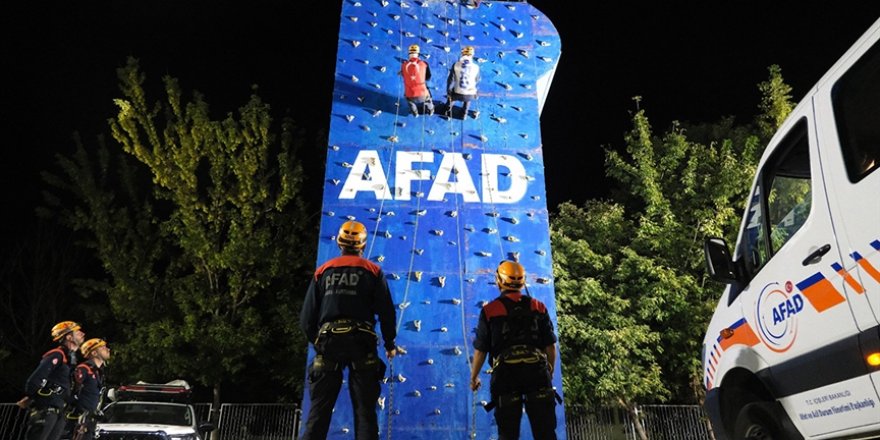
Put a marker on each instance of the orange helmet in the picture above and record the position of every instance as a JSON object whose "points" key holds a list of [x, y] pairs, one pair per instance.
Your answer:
{"points": [[467, 51], [91, 345], [63, 328], [352, 235], [510, 275]]}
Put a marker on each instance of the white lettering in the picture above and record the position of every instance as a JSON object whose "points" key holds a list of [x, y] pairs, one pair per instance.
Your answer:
{"points": [[491, 192], [463, 184], [366, 174], [405, 174], [359, 180]]}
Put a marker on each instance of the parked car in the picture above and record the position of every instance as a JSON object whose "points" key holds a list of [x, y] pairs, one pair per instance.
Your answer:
{"points": [[152, 412]]}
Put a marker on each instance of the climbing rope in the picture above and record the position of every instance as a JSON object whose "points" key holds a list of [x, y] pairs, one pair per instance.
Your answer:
{"points": [[409, 274]]}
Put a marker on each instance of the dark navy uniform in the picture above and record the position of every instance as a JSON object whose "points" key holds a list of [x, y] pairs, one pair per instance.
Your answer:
{"points": [[49, 390], [515, 329], [88, 383], [338, 317]]}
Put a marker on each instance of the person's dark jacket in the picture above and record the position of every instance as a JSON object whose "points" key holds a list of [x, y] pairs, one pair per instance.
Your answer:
{"points": [[351, 287], [49, 384], [88, 381]]}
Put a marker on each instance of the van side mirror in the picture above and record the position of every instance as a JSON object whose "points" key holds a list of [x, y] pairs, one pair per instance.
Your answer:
{"points": [[206, 427], [718, 261]]}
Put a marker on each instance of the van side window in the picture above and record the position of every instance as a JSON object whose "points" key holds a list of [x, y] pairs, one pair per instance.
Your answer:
{"points": [[856, 101], [781, 201]]}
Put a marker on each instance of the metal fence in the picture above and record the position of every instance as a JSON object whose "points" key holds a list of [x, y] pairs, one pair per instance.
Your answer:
{"points": [[257, 422], [661, 422], [248, 421], [12, 421]]}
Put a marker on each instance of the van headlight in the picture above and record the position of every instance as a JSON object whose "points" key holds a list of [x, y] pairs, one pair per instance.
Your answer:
{"points": [[184, 437]]}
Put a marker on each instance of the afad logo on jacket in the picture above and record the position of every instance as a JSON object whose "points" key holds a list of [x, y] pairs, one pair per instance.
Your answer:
{"points": [[777, 309]]}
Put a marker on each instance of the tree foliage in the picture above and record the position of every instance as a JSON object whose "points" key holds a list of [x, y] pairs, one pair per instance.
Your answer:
{"points": [[632, 291], [201, 229]]}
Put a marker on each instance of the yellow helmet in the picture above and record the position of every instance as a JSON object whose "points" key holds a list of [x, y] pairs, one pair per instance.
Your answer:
{"points": [[414, 49], [63, 328], [352, 235], [467, 51], [510, 275], [91, 345]]}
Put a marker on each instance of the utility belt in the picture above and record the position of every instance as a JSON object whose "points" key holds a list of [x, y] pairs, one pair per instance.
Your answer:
{"points": [[520, 354], [323, 364], [345, 327], [50, 390], [544, 395], [42, 412]]}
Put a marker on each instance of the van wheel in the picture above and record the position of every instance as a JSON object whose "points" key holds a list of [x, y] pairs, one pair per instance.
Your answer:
{"points": [[757, 421]]}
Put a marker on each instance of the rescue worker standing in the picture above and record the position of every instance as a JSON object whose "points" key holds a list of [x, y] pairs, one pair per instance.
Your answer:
{"points": [[516, 332], [47, 390], [338, 316], [416, 73], [461, 84], [88, 384]]}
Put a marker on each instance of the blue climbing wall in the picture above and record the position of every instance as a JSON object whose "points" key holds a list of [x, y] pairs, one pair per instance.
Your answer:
{"points": [[445, 199]]}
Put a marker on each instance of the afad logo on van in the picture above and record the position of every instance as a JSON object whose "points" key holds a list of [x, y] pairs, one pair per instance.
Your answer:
{"points": [[777, 311]]}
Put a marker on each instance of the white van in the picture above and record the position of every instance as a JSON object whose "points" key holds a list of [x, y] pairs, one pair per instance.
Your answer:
{"points": [[793, 349]]}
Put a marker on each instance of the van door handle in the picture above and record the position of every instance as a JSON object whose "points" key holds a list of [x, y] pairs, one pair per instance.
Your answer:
{"points": [[816, 255]]}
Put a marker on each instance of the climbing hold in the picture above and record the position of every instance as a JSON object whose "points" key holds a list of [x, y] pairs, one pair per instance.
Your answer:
{"points": [[442, 281]]}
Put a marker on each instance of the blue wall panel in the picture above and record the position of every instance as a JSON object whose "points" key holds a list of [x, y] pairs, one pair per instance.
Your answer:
{"points": [[440, 236]]}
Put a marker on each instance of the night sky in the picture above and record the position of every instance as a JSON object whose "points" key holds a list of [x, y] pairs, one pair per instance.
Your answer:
{"points": [[692, 61]]}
